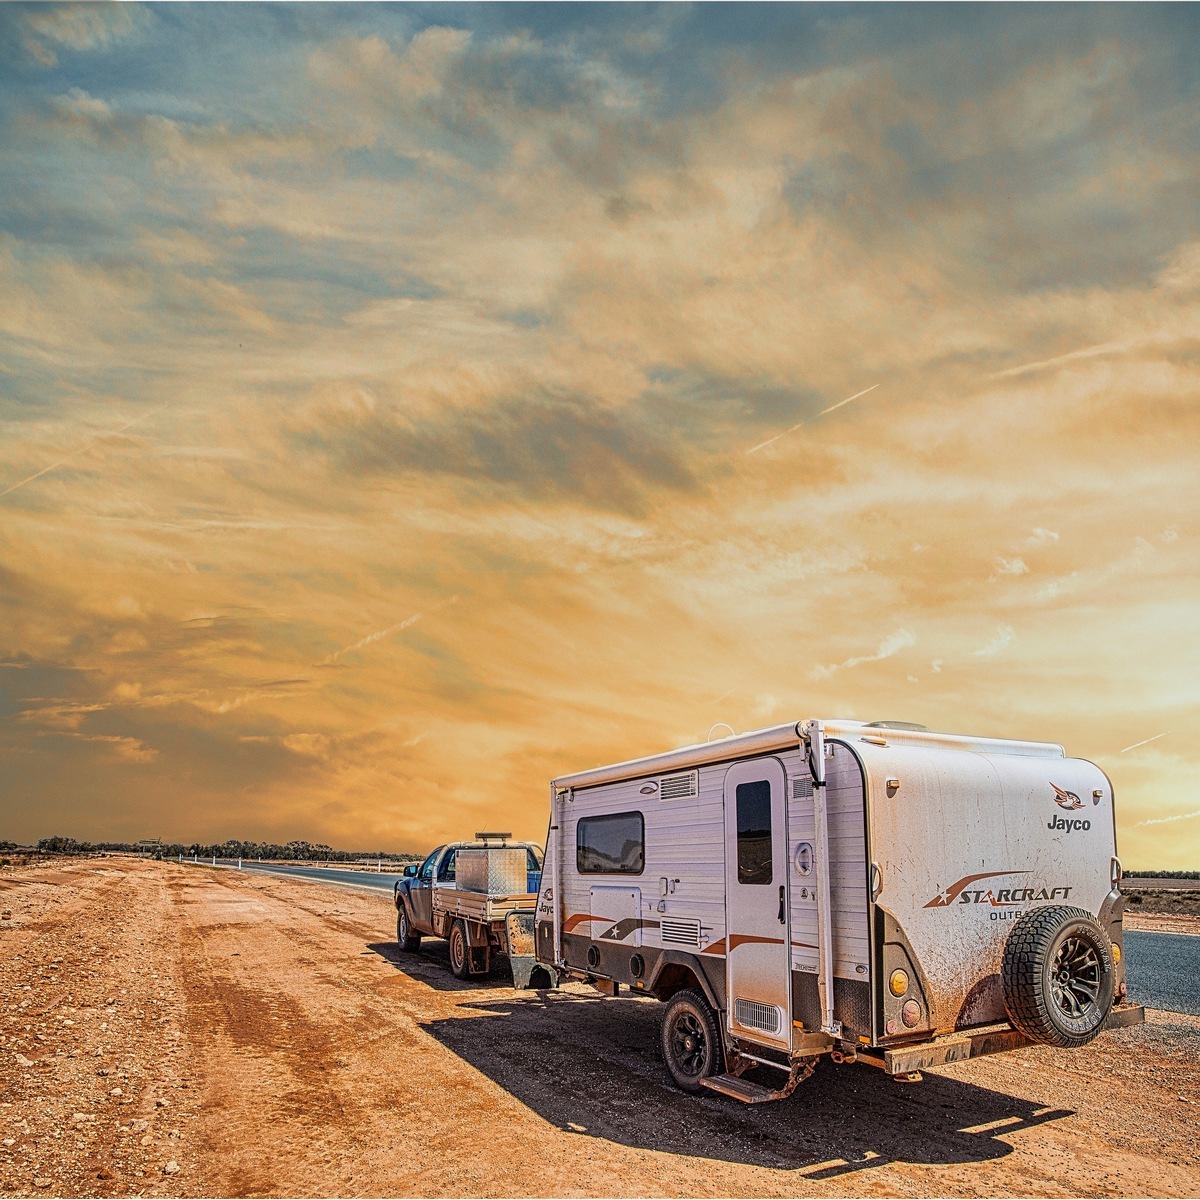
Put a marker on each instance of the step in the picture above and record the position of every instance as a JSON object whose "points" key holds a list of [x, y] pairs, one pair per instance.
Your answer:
{"points": [[741, 1089]]}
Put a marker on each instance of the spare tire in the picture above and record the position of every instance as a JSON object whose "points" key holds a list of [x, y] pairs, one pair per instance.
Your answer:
{"points": [[1058, 976]]}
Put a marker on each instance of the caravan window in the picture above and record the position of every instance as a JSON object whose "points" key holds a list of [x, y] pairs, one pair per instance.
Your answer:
{"points": [[754, 832], [614, 844]]}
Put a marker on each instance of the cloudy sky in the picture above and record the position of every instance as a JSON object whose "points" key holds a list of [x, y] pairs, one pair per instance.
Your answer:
{"points": [[400, 406]]}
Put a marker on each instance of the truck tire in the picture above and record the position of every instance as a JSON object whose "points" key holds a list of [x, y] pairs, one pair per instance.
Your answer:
{"points": [[691, 1040], [460, 951], [1058, 976], [407, 940]]}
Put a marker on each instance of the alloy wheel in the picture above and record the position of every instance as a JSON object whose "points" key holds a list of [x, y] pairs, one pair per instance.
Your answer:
{"points": [[1075, 977], [689, 1043]]}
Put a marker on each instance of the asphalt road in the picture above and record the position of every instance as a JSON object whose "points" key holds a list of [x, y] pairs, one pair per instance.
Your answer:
{"points": [[1164, 970], [368, 879]]}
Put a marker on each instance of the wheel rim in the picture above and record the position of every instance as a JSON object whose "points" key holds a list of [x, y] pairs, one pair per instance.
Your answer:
{"points": [[403, 928], [1075, 978], [457, 950], [689, 1044]]}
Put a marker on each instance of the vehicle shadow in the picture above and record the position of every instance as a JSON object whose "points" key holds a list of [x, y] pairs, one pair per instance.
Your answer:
{"points": [[591, 1067], [431, 965]]}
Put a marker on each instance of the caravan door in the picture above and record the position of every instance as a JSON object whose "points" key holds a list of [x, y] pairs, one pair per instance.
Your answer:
{"points": [[757, 953]]}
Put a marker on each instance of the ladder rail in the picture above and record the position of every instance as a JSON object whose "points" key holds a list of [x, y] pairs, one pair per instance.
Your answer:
{"points": [[814, 736]]}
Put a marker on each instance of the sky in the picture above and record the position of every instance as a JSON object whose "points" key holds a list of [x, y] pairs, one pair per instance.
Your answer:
{"points": [[401, 406]]}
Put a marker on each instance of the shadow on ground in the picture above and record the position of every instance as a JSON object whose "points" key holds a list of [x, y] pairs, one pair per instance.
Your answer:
{"points": [[592, 1068], [431, 965]]}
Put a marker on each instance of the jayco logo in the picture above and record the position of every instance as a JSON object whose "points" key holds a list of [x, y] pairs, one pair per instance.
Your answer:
{"points": [[1068, 824], [1070, 802]]}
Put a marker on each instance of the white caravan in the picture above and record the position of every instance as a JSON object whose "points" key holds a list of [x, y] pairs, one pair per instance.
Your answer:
{"points": [[872, 891]]}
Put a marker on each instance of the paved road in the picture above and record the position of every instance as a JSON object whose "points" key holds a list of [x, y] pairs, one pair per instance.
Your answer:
{"points": [[1164, 970], [368, 879], [1167, 885]]}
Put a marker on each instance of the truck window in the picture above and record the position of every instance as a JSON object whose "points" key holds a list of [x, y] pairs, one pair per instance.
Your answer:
{"points": [[446, 868], [531, 860], [754, 832], [426, 871], [614, 844]]}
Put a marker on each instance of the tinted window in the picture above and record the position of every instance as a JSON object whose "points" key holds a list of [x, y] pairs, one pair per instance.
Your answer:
{"points": [[446, 867], [754, 832], [611, 845], [531, 860]]}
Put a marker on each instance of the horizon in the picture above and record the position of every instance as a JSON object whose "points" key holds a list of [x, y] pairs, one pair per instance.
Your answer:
{"points": [[403, 406]]}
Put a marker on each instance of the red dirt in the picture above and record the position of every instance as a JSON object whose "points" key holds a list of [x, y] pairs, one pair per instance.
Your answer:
{"points": [[267, 1038]]}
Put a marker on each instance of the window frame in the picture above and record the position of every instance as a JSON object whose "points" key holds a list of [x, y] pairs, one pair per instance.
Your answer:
{"points": [[425, 873], [579, 824]]}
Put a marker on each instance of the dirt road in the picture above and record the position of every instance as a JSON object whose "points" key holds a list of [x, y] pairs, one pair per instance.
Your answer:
{"points": [[177, 1031]]}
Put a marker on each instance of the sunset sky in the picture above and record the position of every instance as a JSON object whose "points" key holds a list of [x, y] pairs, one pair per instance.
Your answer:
{"points": [[400, 406]]}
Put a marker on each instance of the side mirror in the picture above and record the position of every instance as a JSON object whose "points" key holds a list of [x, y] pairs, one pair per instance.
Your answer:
{"points": [[410, 870]]}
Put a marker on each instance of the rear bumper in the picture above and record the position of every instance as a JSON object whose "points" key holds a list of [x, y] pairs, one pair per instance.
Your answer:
{"points": [[992, 1039]]}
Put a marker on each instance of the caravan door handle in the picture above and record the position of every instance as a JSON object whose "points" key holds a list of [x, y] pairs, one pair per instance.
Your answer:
{"points": [[781, 910]]}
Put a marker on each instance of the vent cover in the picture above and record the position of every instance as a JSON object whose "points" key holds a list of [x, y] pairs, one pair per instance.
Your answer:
{"points": [[679, 787], [801, 789], [679, 931], [754, 1015]]}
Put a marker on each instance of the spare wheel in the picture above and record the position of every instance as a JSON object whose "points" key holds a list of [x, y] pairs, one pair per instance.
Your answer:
{"points": [[1058, 976]]}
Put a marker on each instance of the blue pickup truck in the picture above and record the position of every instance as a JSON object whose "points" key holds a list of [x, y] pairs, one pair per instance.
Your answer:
{"points": [[480, 896]]}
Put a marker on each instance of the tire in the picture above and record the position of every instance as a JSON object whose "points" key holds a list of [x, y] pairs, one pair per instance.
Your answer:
{"points": [[407, 940], [460, 951], [1058, 976], [691, 1040]]}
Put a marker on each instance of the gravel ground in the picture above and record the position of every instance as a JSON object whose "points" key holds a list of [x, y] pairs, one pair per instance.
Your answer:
{"points": [[177, 1031]]}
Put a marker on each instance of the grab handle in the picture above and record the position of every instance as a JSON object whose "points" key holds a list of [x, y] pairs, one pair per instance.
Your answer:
{"points": [[876, 881], [782, 918]]}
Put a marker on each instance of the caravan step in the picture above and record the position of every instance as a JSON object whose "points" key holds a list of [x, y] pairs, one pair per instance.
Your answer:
{"points": [[743, 1089]]}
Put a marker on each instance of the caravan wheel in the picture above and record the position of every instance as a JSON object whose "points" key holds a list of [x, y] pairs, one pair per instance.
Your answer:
{"points": [[1058, 976], [691, 1040]]}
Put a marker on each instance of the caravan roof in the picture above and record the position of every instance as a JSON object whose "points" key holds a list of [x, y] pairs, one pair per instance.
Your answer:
{"points": [[781, 737]]}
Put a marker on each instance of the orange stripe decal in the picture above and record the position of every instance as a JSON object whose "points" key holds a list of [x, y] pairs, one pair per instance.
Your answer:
{"points": [[738, 939], [715, 948], [581, 919]]}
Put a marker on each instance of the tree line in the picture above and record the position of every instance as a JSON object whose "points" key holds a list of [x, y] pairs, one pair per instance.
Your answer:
{"points": [[231, 848], [1164, 874]]}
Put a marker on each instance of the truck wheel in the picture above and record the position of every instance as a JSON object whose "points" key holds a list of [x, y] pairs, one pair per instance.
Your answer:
{"points": [[1058, 976], [460, 951], [691, 1040], [405, 938]]}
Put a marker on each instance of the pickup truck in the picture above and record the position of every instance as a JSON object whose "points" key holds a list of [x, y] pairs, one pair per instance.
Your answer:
{"points": [[480, 896]]}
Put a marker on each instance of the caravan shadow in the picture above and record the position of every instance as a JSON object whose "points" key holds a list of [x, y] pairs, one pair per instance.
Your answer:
{"points": [[591, 1067]]}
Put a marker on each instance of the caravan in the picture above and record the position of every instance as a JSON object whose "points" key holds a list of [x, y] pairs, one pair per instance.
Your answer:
{"points": [[870, 891]]}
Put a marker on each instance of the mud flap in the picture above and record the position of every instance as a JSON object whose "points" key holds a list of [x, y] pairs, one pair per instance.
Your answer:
{"points": [[518, 933]]}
